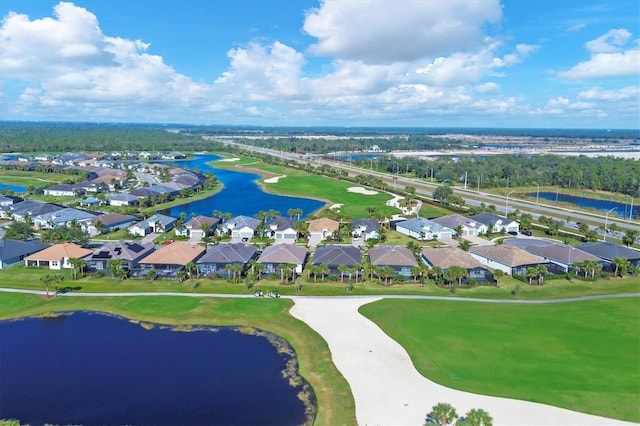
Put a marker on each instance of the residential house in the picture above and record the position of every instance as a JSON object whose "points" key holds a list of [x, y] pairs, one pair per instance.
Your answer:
{"points": [[335, 255], [171, 258], [322, 228], [57, 256], [509, 259], [497, 223], [5, 200], [240, 227], [468, 227], [424, 229], [608, 251], [107, 222], [366, 228], [124, 199], [157, 223], [64, 190], [283, 254], [446, 257], [62, 217], [14, 251], [29, 208], [400, 259], [129, 252], [219, 256], [90, 202], [282, 230], [561, 257], [195, 228]]}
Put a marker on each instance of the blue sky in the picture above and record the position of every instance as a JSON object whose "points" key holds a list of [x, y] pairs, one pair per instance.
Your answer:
{"points": [[425, 63]]}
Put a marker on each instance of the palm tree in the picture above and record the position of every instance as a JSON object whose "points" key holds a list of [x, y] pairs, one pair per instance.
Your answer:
{"points": [[228, 268], [357, 268], [443, 413], [459, 273], [282, 267], [342, 269], [435, 272], [542, 272], [497, 274], [152, 274], [114, 265], [477, 417], [181, 275], [621, 264], [190, 267], [323, 270], [387, 273], [237, 268], [464, 245], [630, 237], [531, 273], [416, 271], [46, 281]]}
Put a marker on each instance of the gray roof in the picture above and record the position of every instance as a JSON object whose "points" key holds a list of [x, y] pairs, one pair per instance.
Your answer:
{"points": [[283, 253], [241, 222], [420, 224], [14, 248], [454, 220], [125, 196], [34, 208], [490, 218], [527, 242], [163, 219], [65, 215], [609, 251], [109, 219], [446, 257], [508, 255], [392, 256], [122, 250], [229, 253], [281, 223], [368, 224], [561, 253], [334, 255]]}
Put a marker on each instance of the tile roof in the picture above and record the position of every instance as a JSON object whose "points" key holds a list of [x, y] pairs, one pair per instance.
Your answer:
{"points": [[334, 255], [392, 256], [240, 222], [322, 224], [454, 220], [490, 218], [60, 251], [367, 224], [229, 253], [561, 253], [177, 253], [281, 223], [198, 221], [124, 250], [609, 251], [14, 248], [445, 257], [420, 224], [507, 255], [283, 253], [109, 219]]}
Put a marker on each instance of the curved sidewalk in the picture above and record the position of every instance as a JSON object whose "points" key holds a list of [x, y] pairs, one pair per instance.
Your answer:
{"points": [[387, 388]]}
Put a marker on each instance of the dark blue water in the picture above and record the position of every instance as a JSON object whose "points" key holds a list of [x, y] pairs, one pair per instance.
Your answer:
{"points": [[241, 194], [14, 188], [95, 369], [622, 209]]}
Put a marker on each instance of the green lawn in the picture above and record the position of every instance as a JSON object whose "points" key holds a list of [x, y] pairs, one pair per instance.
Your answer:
{"points": [[336, 406], [583, 356]]}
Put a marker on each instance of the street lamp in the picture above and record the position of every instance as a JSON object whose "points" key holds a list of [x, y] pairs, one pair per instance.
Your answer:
{"points": [[606, 221], [631, 210], [506, 204], [537, 192]]}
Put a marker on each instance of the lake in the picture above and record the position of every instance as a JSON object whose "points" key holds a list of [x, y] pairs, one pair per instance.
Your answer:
{"points": [[86, 368], [15, 188], [622, 209], [241, 194]]}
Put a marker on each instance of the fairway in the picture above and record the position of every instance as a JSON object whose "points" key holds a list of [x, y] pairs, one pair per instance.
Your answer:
{"points": [[582, 356]]}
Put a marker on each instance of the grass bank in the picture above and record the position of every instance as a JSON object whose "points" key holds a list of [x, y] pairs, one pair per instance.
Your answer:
{"points": [[336, 405], [582, 356]]}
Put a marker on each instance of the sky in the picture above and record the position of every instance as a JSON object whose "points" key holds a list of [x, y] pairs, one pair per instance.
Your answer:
{"points": [[377, 63]]}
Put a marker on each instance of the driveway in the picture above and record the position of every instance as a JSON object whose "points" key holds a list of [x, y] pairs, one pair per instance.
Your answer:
{"points": [[149, 238]]}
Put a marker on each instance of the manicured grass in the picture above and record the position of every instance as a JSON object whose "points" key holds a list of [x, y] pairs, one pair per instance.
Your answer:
{"points": [[299, 183], [334, 397], [583, 356]]}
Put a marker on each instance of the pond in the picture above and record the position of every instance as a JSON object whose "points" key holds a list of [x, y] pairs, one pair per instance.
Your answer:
{"points": [[622, 209], [85, 368], [15, 188], [241, 194]]}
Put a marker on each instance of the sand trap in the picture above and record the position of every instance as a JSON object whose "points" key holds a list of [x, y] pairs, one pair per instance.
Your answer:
{"points": [[229, 159], [274, 179], [361, 190], [388, 390], [335, 206]]}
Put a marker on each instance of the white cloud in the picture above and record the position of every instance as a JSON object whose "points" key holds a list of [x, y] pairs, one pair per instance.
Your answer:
{"points": [[383, 30], [608, 58], [488, 88], [558, 102], [623, 94]]}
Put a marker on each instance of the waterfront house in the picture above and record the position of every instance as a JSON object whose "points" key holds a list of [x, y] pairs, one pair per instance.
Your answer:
{"points": [[171, 258], [400, 259], [282, 230], [195, 228], [240, 227], [108, 222], [157, 223], [57, 256], [424, 229], [509, 259], [14, 251], [283, 254], [608, 251], [335, 255], [129, 252], [366, 228], [496, 222], [468, 227], [446, 257], [216, 259]]}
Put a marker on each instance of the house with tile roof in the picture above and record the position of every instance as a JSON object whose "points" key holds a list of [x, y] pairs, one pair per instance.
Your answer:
{"points": [[170, 258], [335, 255], [282, 230], [239, 227], [400, 259], [322, 228], [14, 251], [509, 259], [283, 254], [446, 257], [156, 223], [366, 228], [129, 252], [216, 259], [561, 257], [195, 228], [110, 222], [61, 217], [57, 256], [424, 229], [607, 251]]}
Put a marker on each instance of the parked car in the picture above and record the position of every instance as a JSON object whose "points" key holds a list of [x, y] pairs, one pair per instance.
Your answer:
{"points": [[527, 233], [512, 233]]}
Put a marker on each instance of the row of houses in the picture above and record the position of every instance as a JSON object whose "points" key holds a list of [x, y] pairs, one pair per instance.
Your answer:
{"points": [[456, 225]]}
